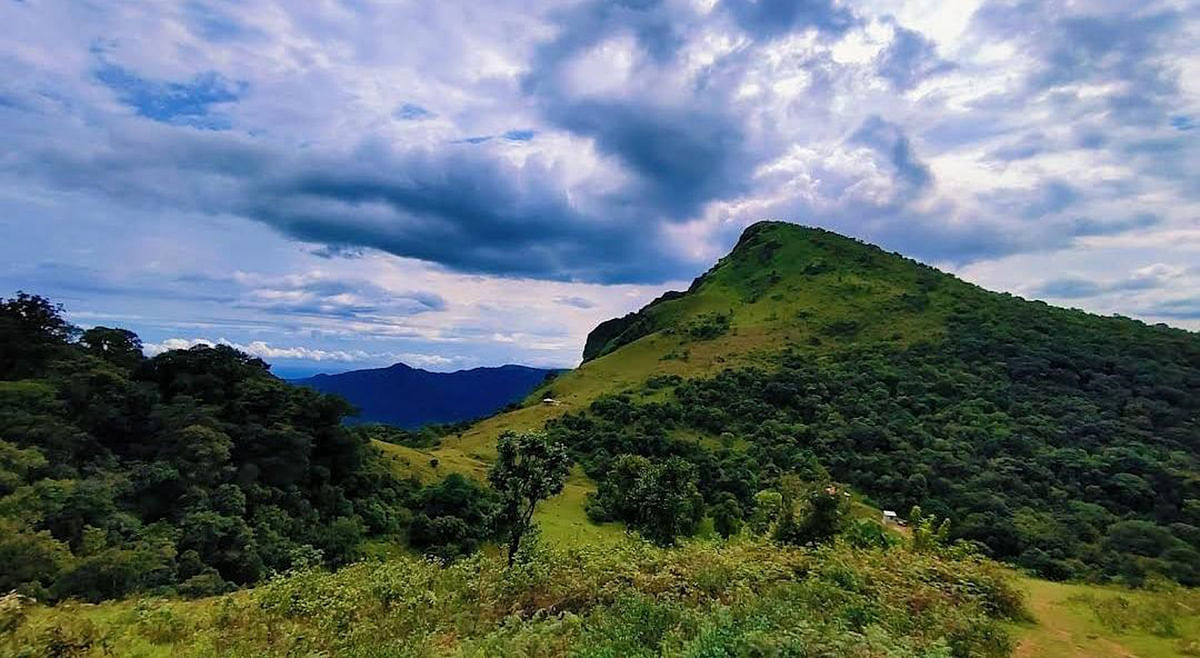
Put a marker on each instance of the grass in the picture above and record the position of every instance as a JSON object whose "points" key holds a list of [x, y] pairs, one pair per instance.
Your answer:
{"points": [[562, 519], [745, 597], [1077, 621], [563, 522]]}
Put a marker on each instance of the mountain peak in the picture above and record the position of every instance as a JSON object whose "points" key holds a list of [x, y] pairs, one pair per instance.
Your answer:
{"points": [[778, 279]]}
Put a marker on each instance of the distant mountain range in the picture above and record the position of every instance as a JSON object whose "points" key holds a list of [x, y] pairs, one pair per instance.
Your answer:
{"points": [[411, 397]]}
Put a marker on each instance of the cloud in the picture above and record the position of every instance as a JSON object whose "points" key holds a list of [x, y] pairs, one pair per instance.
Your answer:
{"points": [[1146, 278], [1187, 308], [413, 112], [474, 213], [266, 352], [1028, 146], [579, 151], [577, 302], [1120, 49], [909, 59], [888, 139], [320, 296], [1183, 123], [1088, 226]]}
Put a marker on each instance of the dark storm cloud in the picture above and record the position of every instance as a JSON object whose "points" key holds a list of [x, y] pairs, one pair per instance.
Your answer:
{"points": [[473, 214], [684, 157], [1085, 226], [457, 207]]}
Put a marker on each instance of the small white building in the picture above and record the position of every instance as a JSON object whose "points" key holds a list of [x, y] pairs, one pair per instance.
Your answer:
{"points": [[890, 518], [550, 402]]}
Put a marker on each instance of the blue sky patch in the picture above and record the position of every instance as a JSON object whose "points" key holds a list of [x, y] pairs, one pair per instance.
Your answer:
{"points": [[184, 103]]}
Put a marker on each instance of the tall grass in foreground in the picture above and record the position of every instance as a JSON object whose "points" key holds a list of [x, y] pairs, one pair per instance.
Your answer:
{"points": [[744, 598]]}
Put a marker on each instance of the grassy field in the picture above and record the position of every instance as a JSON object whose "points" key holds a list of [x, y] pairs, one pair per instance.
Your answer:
{"points": [[1090, 621]]}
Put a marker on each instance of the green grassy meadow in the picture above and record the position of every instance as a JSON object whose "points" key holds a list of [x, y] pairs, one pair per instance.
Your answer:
{"points": [[1093, 621]]}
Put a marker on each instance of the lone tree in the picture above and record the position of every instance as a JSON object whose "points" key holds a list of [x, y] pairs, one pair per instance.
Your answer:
{"points": [[529, 468]]}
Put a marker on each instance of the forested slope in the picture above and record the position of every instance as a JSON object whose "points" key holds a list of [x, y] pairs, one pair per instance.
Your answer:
{"points": [[1062, 441], [195, 471]]}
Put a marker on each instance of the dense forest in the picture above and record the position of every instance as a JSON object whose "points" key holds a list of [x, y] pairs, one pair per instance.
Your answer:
{"points": [[1064, 442], [194, 471]]}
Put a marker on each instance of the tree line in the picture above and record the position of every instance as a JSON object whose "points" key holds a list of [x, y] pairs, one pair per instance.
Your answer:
{"points": [[197, 471]]}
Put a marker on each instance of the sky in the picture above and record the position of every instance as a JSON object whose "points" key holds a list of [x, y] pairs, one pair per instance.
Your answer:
{"points": [[339, 184]]}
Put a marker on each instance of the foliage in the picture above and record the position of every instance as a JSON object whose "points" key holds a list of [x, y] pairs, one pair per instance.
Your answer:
{"points": [[707, 326], [865, 533], [1044, 433], [32, 331], [927, 533], [727, 516], [739, 598], [429, 436], [452, 518], [529, 468], [194, 471], [818, 517], [1063, 442], [658, 499]]}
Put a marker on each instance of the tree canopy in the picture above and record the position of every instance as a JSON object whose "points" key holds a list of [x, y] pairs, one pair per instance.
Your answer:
{"points": [[529, 468], [194, 471]]}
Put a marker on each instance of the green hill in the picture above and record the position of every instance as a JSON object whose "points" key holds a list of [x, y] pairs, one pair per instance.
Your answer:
{"points": [[1062, 441], [1055, 440]]}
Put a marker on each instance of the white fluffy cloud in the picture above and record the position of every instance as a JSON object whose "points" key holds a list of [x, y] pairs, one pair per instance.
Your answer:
{"points": [[271, 353]]}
